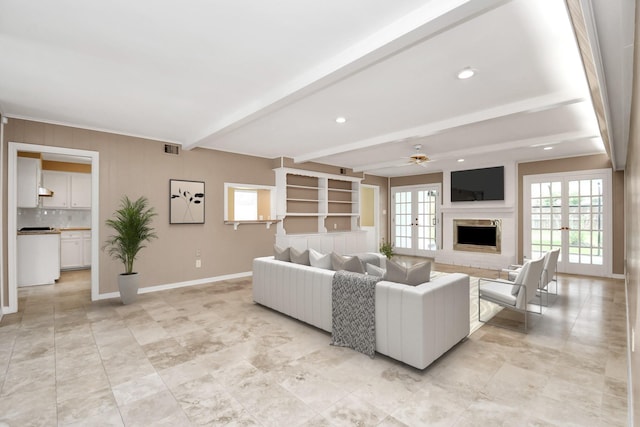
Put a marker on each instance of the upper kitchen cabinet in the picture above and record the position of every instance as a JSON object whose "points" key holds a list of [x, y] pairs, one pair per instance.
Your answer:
{"points": [[58, 183], [70, 190], [80, 184], [28, 182]]}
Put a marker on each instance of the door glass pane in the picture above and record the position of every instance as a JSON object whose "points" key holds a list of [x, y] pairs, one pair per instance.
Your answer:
{"points": [[545, 216], [586, 222], [403, 219], [427, 220]]}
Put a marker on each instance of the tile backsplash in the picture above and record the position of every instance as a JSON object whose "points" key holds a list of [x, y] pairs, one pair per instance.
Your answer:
{"points": [[57, 218]]}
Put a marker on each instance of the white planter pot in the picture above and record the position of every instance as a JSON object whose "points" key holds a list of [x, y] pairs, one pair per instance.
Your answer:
{"points": [[128, 284]]}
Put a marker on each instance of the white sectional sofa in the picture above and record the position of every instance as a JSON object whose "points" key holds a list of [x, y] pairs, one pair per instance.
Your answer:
{"points": [[414, 324]]}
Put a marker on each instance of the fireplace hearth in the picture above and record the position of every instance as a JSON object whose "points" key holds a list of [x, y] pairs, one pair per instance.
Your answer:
{"points": [[477, 235]]}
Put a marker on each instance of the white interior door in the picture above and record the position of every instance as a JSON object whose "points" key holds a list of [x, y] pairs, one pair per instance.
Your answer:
{"points": [[415, 228], [572, 212]]}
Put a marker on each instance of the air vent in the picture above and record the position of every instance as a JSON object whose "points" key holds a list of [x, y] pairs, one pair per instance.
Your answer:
{"points": [[171, 149]]}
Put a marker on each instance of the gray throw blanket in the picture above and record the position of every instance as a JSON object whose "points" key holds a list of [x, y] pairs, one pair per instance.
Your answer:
{"points": [[353, 310]]}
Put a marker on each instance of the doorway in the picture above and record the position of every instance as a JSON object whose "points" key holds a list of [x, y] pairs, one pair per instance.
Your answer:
{"points": [[572, 212], [12, 208], [370, 215], [415, 220]]}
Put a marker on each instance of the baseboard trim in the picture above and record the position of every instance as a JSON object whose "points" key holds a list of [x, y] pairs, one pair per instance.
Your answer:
{"points": [[176, 285], [618, 276]]}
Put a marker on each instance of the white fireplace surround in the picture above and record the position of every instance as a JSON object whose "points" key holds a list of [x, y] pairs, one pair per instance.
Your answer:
{"points": [[504, 211], [495, 227]]}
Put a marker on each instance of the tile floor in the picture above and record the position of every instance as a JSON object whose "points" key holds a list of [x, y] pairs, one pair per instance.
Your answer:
{"points": [[206, 355]]}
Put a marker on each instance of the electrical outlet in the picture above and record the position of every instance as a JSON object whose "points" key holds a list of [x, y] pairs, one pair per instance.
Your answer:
{"points": [[198, 263], [335, 226], [197, 253]]}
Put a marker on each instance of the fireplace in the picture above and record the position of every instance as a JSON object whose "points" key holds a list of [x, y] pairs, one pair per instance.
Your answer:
{"points": [[477, 235]]}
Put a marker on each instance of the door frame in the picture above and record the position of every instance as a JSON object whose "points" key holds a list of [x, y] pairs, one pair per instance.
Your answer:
{"points": [[607, 202], [417, 187], [12, 207], [376, 214]]}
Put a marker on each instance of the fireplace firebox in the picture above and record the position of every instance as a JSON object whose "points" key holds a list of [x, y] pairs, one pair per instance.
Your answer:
{"points": [[477, 235]]}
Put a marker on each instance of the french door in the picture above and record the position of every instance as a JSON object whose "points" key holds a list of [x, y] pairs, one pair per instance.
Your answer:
{"points": [[415, 228], [570, 211]]}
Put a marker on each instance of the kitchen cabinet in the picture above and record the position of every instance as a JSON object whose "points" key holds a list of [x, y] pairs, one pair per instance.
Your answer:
{"points": [[58, 182], [38, 256], [28, 182], [75, 249], [80, 186], [71, 190], [86, 248]]}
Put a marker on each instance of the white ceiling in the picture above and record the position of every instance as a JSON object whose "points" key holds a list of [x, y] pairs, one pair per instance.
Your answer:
{"points": [[269, 78]]}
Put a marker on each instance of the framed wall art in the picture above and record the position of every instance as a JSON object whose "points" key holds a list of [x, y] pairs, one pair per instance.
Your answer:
{"points": [[186, 202]]}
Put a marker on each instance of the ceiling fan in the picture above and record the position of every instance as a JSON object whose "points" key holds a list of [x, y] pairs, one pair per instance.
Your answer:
{"points": [[418, 158]]}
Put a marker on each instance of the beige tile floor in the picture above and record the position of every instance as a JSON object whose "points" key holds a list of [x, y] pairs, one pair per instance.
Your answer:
{"points": [[206, 355]]}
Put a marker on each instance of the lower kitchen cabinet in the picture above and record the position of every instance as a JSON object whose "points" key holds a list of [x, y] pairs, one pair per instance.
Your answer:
{"points": [[38, 259], [75, 249]]}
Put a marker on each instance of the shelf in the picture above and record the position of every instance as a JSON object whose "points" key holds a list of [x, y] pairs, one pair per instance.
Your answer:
{"points": [[303, 214], [267, 222], [347, 202], [303, 200], [304, 187], [341, 214], [341, 190]]}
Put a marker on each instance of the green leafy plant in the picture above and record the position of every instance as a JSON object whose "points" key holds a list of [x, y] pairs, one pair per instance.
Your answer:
{"points": [[386, 249], [132, 225]]}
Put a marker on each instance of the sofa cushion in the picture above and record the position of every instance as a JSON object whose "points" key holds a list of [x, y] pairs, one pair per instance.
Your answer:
{"points": [[414, 275], [282, 254], [374, 270], [347, 263], [299, 257], [319, 260]]}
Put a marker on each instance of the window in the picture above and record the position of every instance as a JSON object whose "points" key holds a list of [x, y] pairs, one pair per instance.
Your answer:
{"points": [[245, 205], [247, 202]]}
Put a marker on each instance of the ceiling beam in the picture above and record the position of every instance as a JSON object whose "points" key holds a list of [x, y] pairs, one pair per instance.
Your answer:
{"points": [[547, 140], [427, 21], [530, 105], [584, 27]]}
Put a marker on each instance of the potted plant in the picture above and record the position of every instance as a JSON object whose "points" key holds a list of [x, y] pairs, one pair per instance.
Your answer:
{"points": [[132, 229], [386, 249]]}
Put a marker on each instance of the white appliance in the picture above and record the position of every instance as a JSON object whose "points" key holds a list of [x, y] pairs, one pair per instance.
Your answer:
{"points": [[38, 258]]}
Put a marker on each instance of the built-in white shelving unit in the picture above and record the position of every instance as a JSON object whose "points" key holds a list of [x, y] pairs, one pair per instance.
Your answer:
{"points": [[333, 201]]}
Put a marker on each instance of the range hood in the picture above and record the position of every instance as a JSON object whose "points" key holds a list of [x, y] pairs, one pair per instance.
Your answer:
{"points": [[44, 192]]}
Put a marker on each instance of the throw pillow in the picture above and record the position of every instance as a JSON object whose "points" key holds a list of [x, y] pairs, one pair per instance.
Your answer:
{"points": [[320, 260], [281, 254], [299, 257], [414, 275], [374, 270], [347, 263], [419, 273]]}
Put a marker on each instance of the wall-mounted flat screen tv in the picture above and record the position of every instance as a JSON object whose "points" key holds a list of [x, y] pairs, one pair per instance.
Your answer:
{"points": [[477, 184]]}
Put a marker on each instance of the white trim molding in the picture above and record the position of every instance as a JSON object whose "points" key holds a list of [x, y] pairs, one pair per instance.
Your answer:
{"points": [[184, 284]]}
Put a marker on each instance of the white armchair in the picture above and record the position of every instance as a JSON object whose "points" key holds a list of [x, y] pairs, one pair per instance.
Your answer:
{"points": [[548, 275], [514, 295]]}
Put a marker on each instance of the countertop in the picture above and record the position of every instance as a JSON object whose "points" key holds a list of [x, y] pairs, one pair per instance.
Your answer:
{"points": [[31, 233], [53, 231]]}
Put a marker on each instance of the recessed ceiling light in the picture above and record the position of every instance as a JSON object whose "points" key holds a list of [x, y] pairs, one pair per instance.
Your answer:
{"points": [[548, 148], [341, 119], [466, 73], [460, 160]]}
